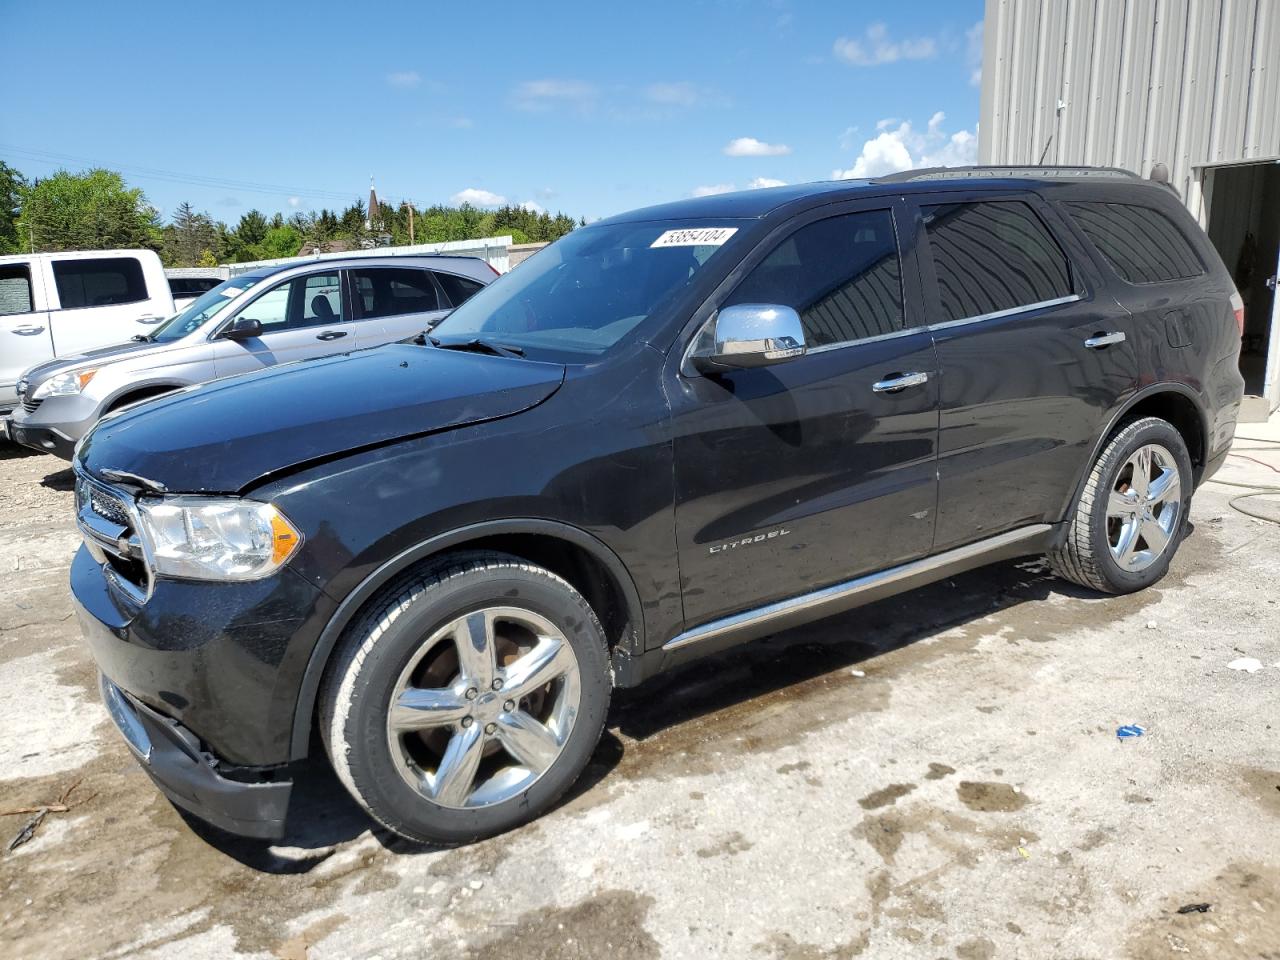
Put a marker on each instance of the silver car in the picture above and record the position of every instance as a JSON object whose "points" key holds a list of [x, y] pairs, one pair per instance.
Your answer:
{"points": [[249, 322]]}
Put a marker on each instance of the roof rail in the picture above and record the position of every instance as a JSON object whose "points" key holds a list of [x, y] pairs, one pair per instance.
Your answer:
{"points": [[1028, 171]]}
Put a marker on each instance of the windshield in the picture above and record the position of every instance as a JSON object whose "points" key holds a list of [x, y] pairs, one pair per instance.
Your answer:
{"points": [[201, 310], [588, 290]]}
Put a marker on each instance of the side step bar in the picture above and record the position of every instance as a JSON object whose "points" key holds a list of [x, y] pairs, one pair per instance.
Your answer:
{"points": [[839, 597]]}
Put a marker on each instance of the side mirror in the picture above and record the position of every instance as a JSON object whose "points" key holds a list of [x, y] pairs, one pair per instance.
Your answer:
{"points": [[752, 335], [243, 328]]}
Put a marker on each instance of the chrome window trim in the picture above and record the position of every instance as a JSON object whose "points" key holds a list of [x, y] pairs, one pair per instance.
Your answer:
{"points": [[819, 598], [998, 314], [845, 344]]}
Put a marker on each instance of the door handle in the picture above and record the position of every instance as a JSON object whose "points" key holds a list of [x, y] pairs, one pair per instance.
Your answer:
{"points": [[331, 335], [899, 381], [150, 320], [27, 331], [1100, 340]]}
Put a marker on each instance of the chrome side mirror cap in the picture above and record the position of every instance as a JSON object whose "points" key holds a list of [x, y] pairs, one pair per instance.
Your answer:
{"points": [[751, 335]]}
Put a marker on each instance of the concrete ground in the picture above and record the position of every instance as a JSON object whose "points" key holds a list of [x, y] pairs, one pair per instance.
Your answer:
{"points": [[934, 776]]}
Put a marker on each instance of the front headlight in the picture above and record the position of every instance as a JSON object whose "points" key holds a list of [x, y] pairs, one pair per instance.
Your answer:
{"points": [[216, 539], [64, 384]]}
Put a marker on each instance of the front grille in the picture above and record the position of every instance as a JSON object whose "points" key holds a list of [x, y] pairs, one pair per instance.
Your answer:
{"points": [[105, 504], [29, 405], [119, 550]]}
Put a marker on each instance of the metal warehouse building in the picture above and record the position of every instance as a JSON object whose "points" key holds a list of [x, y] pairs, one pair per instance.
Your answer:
{"points": [[1183, 90]]}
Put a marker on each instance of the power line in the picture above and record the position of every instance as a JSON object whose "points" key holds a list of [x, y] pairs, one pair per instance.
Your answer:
{"points": [[170, 176]]}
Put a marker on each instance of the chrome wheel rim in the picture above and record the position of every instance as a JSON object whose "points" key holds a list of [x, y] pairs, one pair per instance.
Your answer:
{"points": [[1144, 508], [484, 707]]}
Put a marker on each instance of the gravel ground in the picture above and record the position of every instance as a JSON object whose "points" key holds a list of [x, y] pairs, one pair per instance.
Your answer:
{"points": [[937, 775]]}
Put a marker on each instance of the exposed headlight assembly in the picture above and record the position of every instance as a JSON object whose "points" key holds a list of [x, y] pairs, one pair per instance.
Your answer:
{"points": [[64, 384], [196, 538]]}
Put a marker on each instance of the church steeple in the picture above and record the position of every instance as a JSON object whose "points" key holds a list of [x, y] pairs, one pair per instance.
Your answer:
{"points": [[373, 213]]}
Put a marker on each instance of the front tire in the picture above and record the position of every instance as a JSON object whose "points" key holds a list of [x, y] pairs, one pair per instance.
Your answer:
{"points": [[1131, 516], [468, 699]]}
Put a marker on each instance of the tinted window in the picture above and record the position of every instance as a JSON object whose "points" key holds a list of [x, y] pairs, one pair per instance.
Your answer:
{"points": [[185, 286], [1142, 244], [392, 291], [993, 256], [99, 283], [842, 275], [458, 289], [301, 302], [15, 290]]}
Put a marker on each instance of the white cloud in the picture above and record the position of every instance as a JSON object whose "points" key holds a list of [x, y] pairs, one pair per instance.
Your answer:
{"points": [[404, 78], [546, 94], [759, 183], [875, 47], [973, 53], [751, 147], [846, 138], [294, 201], [478, 198], [712, 189], [899, 148], [533, 207], [678, 94]]}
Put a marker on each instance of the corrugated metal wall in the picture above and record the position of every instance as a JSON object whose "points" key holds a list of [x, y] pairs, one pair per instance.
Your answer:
{"points": [[1130, 83]]}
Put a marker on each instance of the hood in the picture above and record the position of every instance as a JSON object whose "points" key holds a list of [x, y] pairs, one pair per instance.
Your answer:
{"points": [[43, 371], [220, 437]]}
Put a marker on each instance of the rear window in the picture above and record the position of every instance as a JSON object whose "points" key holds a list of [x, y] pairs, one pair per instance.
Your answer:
{"points": [[15, 290], [458, 289], [993, 256], [99, 283], [1141, 244]]}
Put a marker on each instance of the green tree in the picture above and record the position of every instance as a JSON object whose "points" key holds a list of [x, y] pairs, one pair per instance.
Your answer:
{"points": [[12, 187], [281, 241], [189, 237], [93, 210]]}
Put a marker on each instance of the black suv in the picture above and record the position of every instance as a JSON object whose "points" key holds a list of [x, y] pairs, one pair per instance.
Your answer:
{"points": [[668, 433]]}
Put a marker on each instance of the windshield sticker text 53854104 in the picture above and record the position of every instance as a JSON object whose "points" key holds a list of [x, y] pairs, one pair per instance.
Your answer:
{"points": [[698, 237]]}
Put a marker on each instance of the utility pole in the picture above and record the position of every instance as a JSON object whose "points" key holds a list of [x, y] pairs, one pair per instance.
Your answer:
{"points": [[410, 203]]}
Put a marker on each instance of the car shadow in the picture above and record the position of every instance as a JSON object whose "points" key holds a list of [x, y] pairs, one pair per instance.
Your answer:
{"points": [[322, 814], [12, 451], [60, 480]]}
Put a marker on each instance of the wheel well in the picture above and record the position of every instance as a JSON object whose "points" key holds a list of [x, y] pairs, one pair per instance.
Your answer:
{"points": [[1181, 411], [585, 573], [146, 393]]}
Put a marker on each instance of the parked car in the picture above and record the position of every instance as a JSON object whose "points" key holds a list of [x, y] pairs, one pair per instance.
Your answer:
{"points": [[252, 321], [185, 290], [62, 304], [667, 433]]}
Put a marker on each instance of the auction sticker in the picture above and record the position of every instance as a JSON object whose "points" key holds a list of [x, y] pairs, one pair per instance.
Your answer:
{"points": [[698, 237]]}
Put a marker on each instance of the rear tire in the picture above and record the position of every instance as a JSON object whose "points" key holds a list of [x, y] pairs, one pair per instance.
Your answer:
{"points": [[1131, 515], [467, 699]]}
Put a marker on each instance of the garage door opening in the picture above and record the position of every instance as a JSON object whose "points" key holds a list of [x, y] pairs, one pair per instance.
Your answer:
{"points": [[1244, 225]]}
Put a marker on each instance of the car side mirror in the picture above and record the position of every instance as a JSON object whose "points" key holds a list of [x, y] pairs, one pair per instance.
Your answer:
{"points": [[751, 335], [243, 328]]}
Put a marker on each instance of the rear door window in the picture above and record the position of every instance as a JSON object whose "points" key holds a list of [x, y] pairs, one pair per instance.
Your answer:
{"points": [[99, 283], [15, 289], [993, 256], [392, 292], [1141, 243], [458, 289], [842, 275]]}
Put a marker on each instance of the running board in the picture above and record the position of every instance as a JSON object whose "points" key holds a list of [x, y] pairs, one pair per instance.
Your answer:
{"points": [[839, 597]]}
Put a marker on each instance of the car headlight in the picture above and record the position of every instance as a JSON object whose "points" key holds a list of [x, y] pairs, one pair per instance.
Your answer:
{"points": [[216, 538], [64, 384]]}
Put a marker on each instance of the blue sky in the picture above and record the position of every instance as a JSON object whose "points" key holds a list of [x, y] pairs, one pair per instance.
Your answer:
{"points": [[590, 108]]}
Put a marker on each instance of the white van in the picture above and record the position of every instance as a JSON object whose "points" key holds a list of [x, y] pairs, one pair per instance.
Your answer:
{"points": [[60, 304]]}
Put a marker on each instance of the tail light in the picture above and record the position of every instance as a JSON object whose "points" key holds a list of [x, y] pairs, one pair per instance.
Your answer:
{"points": [[1237, 306]]}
